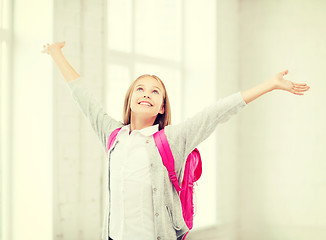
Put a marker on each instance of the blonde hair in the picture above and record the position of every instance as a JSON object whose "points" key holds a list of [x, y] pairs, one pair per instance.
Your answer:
{"points": [[161, 119]]}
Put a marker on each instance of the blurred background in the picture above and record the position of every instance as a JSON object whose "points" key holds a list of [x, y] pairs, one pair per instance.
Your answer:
{"points": [[263, 171]]}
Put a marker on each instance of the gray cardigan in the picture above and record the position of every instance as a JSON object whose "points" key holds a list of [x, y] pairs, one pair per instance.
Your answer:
{"points": [[182, 137]]}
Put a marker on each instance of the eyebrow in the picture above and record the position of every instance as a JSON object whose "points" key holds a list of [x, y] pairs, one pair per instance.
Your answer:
{"points": [[143, 86]]}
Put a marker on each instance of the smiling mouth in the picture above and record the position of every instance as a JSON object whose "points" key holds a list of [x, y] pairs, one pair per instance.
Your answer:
{"points": [[145, 103]]}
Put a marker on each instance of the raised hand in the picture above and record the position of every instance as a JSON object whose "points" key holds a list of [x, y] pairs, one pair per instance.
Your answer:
{"points": [[54, 50], [278, 82], [50, 48]]}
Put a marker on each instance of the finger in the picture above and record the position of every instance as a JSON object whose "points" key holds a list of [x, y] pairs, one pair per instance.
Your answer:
{"points": [[299, 84], [284, 72], [301, 90], [296, 92], [301, 87]]}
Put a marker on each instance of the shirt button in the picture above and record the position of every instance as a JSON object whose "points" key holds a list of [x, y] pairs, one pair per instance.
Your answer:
{"points": [[156, 214], [147, 141], [155, 189], [152, 165], [158, 238]]}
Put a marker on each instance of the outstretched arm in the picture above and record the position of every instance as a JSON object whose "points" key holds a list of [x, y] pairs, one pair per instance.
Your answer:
{"points": [[276, 82], [65, 68], [100, 121]]}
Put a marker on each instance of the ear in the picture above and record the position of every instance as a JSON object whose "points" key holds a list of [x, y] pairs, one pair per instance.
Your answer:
{"points": [[162, 110]]}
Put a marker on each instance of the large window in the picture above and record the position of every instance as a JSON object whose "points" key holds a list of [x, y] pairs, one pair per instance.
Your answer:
{"points": [[173, 39], [5, 49], [144, 37]]}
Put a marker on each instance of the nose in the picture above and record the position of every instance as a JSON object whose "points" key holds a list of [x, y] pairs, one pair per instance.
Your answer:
{"points": [[146, 96]]}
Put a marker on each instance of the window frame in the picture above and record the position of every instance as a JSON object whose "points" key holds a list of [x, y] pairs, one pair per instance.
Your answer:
{"points": [[6, 37]]}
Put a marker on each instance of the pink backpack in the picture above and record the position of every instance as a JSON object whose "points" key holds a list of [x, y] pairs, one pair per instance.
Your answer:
{"points": [[192, 173]]}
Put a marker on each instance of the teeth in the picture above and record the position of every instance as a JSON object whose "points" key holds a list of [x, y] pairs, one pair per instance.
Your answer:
{"points": [[145, 103]]}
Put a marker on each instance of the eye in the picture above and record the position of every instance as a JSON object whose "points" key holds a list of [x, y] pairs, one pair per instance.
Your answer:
{"points": [[140, 89], [156, 92]]}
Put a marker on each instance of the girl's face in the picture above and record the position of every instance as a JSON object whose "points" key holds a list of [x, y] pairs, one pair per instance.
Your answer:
{"points": [[147, 98]]}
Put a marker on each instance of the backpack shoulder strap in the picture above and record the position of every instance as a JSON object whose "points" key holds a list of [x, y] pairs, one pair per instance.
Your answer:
{"points": [[167, 157], [112, 138]]}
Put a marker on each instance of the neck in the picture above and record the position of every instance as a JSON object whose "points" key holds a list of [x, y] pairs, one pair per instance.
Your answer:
{"points": [[137, 123]]}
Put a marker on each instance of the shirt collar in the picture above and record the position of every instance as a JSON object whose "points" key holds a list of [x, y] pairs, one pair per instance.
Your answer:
{"points": [[148, 131]]}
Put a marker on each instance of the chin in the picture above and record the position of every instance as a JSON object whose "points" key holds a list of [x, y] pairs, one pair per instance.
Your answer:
{"points": [[144, 113]]}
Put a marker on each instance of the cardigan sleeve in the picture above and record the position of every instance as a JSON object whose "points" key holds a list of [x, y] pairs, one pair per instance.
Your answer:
{"points": [[101, 122], [187, 135]]}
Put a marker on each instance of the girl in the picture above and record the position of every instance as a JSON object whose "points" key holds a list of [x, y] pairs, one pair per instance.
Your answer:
{"points": [[142, 203]]}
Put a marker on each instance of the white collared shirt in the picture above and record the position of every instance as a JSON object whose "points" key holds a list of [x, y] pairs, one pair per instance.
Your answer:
{"points": [[132, 215]]}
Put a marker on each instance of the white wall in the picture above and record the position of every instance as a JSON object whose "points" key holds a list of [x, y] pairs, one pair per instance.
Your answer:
{"points": [[32, 159], [282, 142]]}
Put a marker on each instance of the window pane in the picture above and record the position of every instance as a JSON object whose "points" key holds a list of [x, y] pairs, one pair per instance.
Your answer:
{"points": [[119, 25], [4, 14], [3, 84], [158, 28], [117, 86], [172, 81], [1, 12], [4, 145]]}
